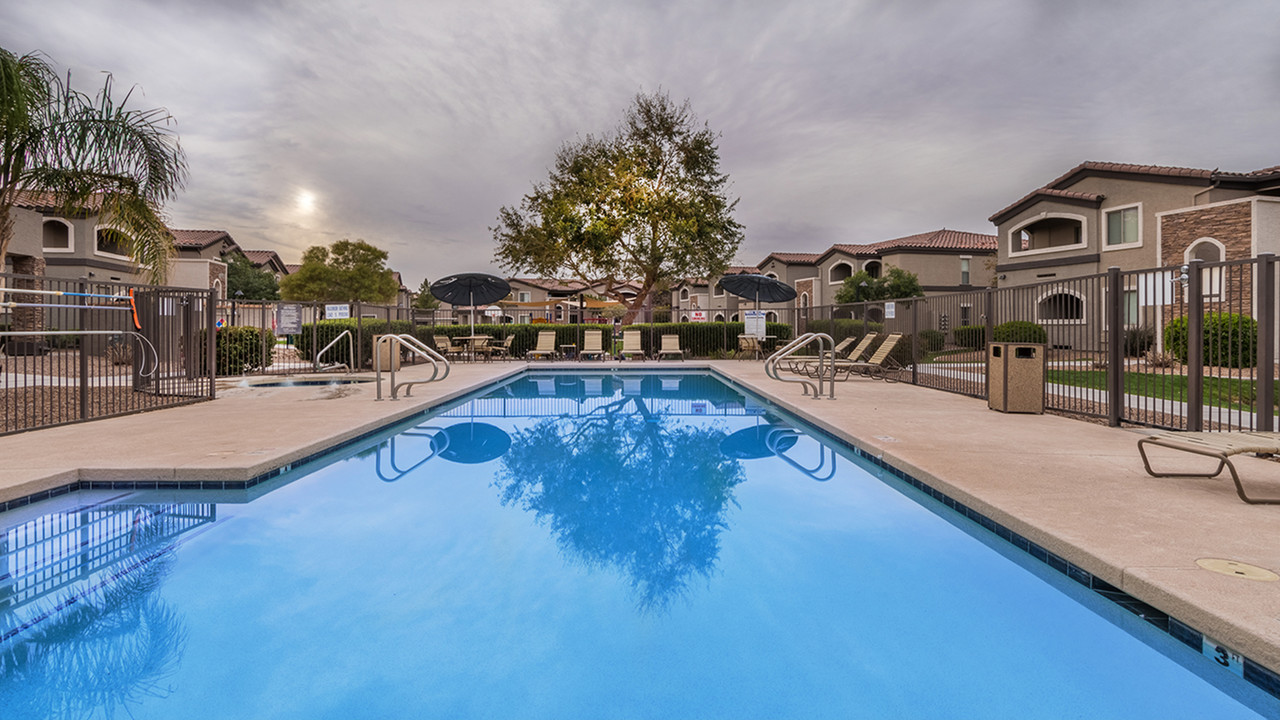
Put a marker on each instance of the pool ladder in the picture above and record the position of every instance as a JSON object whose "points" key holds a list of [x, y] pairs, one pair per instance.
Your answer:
{"points": [[394, 344], [826, 365], [351, 353]]}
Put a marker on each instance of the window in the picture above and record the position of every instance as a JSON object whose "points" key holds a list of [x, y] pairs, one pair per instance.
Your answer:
{"points": [[1122, 227], [1061, 306], [523, 296], [873, 268], [717, 290], [966, 315], [964, 271], [1050, 233], [57, 236], [1210, 251], [113, 242], [1131, 315], [840, 271], [684, 293]]}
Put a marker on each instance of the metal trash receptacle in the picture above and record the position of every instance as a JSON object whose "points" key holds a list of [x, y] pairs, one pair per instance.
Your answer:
{"points": [[1015, 377], [389, 353]]}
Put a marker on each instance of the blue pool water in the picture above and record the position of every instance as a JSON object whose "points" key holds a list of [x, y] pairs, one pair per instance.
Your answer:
{"points": [[607, 546]]}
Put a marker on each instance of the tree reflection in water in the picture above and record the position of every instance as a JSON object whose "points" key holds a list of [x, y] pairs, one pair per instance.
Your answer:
{"points": [[632, 490], [97, 652]]}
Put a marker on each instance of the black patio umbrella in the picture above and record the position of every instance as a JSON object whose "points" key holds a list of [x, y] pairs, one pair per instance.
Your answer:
{"points": [[753, 443], [760, 288], [471, 443], [470, 289]]}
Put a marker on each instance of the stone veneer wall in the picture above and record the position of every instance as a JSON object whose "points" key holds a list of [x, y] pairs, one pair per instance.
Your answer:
{"points": [[28, 318], [1231, 225]]}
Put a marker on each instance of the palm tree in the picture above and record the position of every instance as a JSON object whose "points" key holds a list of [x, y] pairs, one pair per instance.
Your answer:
{"points": [[89, 154]]}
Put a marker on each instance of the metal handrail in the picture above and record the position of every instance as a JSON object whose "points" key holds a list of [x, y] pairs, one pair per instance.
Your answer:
{"points": [[415, 346], [351, 353], [438, 439], [773, 441], [825, 366]]}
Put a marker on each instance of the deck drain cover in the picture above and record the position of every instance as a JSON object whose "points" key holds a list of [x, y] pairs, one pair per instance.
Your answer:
{"points": [[1237, 569]]}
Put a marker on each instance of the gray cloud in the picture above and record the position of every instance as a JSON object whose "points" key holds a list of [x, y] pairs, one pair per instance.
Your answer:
{"points": [[412, 123]]}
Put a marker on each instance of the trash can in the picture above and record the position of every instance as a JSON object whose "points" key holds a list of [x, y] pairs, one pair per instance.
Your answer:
{"points": [[389, 352], [1015, 377]]}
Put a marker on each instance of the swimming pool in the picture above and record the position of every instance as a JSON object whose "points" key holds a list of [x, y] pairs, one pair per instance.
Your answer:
{"points": [[606, 545]]}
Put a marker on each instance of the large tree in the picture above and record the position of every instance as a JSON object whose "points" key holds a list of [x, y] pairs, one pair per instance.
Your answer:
{"points": [[646, 204], [894, 283], [424, 300], [247, 282], [89, 154], [348, 271]]}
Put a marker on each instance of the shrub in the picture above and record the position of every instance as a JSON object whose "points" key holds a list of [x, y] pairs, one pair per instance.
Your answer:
{"points": [[970, 336], [238, 350], [1019, 331], [1138, 340], [932, 340], [1230, 340]]}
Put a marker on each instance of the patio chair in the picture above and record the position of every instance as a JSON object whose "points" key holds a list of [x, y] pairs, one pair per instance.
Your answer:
{"points": [[503, 349], [670, 346], [546, 347], [809, 365], [881, 366], [448, 348], [631, 345], [749, 345], [1217, 445], [592, 345]]}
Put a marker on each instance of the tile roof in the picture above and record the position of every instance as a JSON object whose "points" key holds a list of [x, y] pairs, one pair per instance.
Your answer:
{"points": [[1110, 167], [943, 239], [793, 258], [1058, 187], [31, 200], [261, 257], [293, 267], [198, 238]]}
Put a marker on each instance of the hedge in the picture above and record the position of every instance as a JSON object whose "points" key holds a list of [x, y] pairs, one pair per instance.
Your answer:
{"points": [[1019, 331], [1230, 340], [239, 350], [971, 336]]}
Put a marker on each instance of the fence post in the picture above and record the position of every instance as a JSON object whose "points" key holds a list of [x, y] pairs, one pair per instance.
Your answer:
{"points": [[211, 344], [84, 354], [1114, 309], [1195, 347], [915, 341], [1264, 373]]}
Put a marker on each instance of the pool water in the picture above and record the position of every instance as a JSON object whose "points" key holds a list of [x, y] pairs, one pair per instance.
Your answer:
{"points": [[599, 546]]}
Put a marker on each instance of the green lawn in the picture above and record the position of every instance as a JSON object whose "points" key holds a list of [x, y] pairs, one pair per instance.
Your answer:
{"points": [[1219, 392]]}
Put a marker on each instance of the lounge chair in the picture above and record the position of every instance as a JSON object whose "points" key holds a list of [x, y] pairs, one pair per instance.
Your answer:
{"points": [[1217, 445], [546, 347], [749, 345], [809, 366], [592, 345], [670, 346], [881, 365], [631, 344]]}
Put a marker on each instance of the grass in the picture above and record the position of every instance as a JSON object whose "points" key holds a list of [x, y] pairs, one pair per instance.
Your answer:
{"points": [[1231, 393]]}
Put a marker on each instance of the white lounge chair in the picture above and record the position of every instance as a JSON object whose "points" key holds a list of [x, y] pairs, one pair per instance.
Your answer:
{"points": [[1217, 445]]}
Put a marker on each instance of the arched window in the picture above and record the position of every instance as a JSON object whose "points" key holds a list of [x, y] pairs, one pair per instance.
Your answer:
{"points": [[1210, 251], [873, 268], [719, 317], [112, 242], [217, 289], [1048, 233], [684, 318], [770, 316], [57, 235], [684, 293], [804, 300], [839, 272], [733, 318], [1061, 306]]}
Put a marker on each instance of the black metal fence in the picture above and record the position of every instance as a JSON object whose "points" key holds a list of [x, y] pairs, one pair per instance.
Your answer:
{"points": [[75, 350], [1189, 347]]}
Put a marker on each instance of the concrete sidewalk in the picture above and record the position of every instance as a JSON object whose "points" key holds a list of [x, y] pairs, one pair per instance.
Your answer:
{"points": [[1076, 488]]}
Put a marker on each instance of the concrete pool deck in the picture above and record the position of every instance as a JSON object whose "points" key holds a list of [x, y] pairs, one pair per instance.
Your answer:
{"points": [[1076, 488]]}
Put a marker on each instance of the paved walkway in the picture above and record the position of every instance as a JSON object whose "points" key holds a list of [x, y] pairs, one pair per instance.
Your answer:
{"points": [[1076, 488]]}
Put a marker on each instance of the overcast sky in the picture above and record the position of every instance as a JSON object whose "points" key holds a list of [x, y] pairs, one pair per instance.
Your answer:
{"points": [[409, 124]]}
